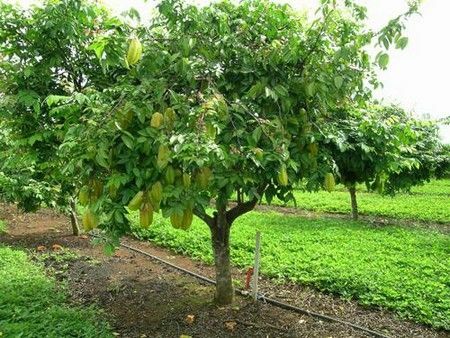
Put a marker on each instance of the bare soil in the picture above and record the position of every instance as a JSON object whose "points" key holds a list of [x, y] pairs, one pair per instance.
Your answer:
{"points": [[143, 298], [373, 220]]}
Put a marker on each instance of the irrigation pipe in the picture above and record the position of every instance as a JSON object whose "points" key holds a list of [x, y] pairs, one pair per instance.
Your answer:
{"points": [[260, 296]]}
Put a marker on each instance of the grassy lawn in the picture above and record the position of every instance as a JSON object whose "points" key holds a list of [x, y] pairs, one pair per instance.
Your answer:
{"points": [[405, 270], [32, 305], [430, 202]]}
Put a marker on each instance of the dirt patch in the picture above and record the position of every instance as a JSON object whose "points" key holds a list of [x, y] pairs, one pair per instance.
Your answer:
{"points": [[370, 219], [143, 298]]}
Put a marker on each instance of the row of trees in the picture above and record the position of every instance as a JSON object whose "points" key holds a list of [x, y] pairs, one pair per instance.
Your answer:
{"points": [[246, 99]]}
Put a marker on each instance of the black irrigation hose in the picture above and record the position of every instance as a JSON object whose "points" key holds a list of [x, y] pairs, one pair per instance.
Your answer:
{"points": [[169, 264], [261, 297]]}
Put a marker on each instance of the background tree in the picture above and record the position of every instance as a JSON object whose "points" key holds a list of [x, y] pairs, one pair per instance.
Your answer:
{"points": [[226, 99], [383, 147], [46, 55], [427, 149]]}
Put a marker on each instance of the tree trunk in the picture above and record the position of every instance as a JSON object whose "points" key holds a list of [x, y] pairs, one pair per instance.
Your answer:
{"points": [[73, 218], [220, 226], [352, 191], [220, 235]]}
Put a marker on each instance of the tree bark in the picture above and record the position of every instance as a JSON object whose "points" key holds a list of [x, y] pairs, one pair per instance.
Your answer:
{"points": [[352, 190], [73, 218], [220, 226], [220, 235]]}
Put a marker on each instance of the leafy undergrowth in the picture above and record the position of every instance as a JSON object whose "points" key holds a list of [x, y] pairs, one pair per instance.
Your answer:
{"points": [[429, 202], [31, 304], [434, 187], [405, 270]]}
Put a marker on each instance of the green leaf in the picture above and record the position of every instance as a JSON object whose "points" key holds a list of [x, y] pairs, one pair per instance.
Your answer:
{"points": [[338, 81], [98, 47], [256, 135], [55, 99], [310, 89], [383, 60], [128, 140], [401, 43], [256, 90], [34, 138]]}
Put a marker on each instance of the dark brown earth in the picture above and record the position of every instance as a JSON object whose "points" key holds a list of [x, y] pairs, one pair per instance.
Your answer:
{"points": [[143, 298]]}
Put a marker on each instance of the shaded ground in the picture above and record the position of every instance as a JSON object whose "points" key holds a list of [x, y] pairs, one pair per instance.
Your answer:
{"points": [[143, 298]]}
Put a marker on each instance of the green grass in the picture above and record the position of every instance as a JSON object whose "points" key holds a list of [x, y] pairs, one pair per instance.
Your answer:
{"points": [[32, 305], [434, 187], [430, 202], [405, 270]]}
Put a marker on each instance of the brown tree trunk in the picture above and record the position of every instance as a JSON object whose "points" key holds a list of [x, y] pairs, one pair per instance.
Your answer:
{"points": [[220, 235], [73, 218], [220, 226], [352, 190]]}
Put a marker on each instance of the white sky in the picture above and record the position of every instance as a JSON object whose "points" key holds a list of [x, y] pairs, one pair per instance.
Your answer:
{"points": [[417, 78]]}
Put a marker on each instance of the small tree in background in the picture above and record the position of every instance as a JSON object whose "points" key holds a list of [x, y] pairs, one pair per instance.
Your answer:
{"points": [[383, 147], [46, 56], [427, 149]]}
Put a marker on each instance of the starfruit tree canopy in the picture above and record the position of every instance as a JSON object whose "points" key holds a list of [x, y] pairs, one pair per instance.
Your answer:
{"points": [[226, 99]]}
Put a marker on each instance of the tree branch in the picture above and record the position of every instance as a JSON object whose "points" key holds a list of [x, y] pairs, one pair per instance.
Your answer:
{"points": [[240, 209], [243, 207], [316, 42], [204, 217]]}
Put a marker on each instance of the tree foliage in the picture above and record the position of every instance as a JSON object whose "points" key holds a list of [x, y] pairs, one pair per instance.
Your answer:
{"points": [[46, 56], [385, 148]]}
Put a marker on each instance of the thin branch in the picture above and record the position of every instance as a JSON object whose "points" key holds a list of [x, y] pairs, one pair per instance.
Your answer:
{"points": [[316, 42]]}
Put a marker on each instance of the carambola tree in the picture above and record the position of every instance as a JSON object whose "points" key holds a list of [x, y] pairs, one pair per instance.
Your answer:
{"points": [[383, 147], [46, 56], [220, 100]]}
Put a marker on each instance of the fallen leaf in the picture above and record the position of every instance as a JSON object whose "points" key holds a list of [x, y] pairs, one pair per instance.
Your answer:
{"points": [[230, 325], [189, 319], [41, 248], [57, 247]]}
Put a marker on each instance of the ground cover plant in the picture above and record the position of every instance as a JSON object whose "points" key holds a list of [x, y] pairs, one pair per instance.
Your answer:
{"points": [[433, 187], [33, 305], [405, 270]]}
